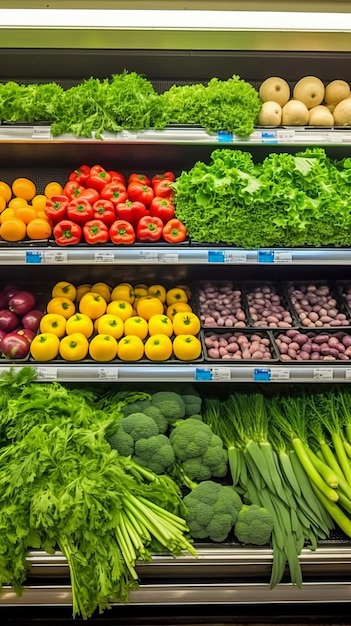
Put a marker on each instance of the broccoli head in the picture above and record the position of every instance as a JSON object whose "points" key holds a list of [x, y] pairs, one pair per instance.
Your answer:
{"points": [[135, 407], [211, 510], [192, 403], [122, 442], [129, 430], [171, 405], [158, 417], [254, 525], [156, 453], [199, 451]]}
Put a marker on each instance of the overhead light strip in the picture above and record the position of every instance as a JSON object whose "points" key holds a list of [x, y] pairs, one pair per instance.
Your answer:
{"points": [[184, 20]]}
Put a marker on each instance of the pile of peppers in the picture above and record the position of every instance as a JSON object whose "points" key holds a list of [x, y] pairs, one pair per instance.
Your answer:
{"points": [[99, 206]]}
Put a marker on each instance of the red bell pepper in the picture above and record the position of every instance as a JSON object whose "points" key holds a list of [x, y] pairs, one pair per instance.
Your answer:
{"points": [[131, 211], [142, 179], [80, 211], [89, 194], [56, 208], [149, 229], [174, 231], [80, 175], [122, 232], [115, 192], [98, 178], [104, 211], [164, 189], [140, 193], [95, 232], [164, 176], [72, 189], [162, 208], [67, 233], [115, 175]]}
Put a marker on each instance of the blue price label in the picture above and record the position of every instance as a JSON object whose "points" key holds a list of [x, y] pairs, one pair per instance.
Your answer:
{"points": [[215, 256], [269, 137], [265, 256], [33, 257], [224, 137], [262, 374], [202, 374]]}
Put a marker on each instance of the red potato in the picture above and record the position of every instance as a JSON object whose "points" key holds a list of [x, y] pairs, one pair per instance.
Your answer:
{"points": [[221, 305], [316, 306], [266, 308], [238, 346], [311, 346]]}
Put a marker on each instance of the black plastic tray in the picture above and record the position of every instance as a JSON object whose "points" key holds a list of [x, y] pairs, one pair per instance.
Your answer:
{"points": [[219, 286], [334, 293], [250, 334], [316, 334], [274, 290]]}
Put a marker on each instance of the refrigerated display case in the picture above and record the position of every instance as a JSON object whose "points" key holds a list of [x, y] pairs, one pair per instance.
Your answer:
{"points": [[257, 42]]}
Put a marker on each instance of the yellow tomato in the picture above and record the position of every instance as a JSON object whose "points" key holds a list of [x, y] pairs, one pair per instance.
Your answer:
{"points": [[24, 188], [123, 291], [103, 289], [158, 348], [131, 348], [7, 214], [53, 189], [103, 348], [2, 204], [186, 324], [177, 294], [186, 347], [160, 324], [79, 323], [45, 347], [136, 325], [12, 229], [158, 291], [39, 202], [63, 306], [81, 290], [74, 347], [93, 305], [141, 290], [64, 289], [148, 306], [15, 203], [121, 308], [53, 323], [109, 324], [5, 191], [177, 307]]}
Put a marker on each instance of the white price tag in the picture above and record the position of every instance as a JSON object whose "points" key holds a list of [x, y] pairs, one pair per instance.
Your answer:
{"points": [[151, 256], [235, 256], [46, 373], [280, 373], [282, 257], [348, 374], [107, 373], [55, 256], [104, 257], [221, 373], [41, 132], [323, 373], [168, 257]]}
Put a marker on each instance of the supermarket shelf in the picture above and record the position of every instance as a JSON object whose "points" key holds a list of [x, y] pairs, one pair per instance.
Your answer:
{"points": [[185, 134], [320, 372], [171, 255], [214, 561], [187, 594]]}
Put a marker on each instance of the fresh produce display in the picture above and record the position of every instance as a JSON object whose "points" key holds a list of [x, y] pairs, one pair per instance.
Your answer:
{"points": [[22, 210], [309, 102], [238, 346], [316, 306], [99, 206], [20, 317], [127, 322], [314, 346], [128, 101], [287, 200], [221, 305], [267, 308]]}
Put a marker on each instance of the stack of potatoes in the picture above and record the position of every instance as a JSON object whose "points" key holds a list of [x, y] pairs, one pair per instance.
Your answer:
{"points": [[310, 103]]}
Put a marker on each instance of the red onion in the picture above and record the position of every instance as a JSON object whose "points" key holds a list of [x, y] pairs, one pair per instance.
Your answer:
{"points": [[15, 346], [27, 333], [32, 319], [8, 320], [22, 302]]}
